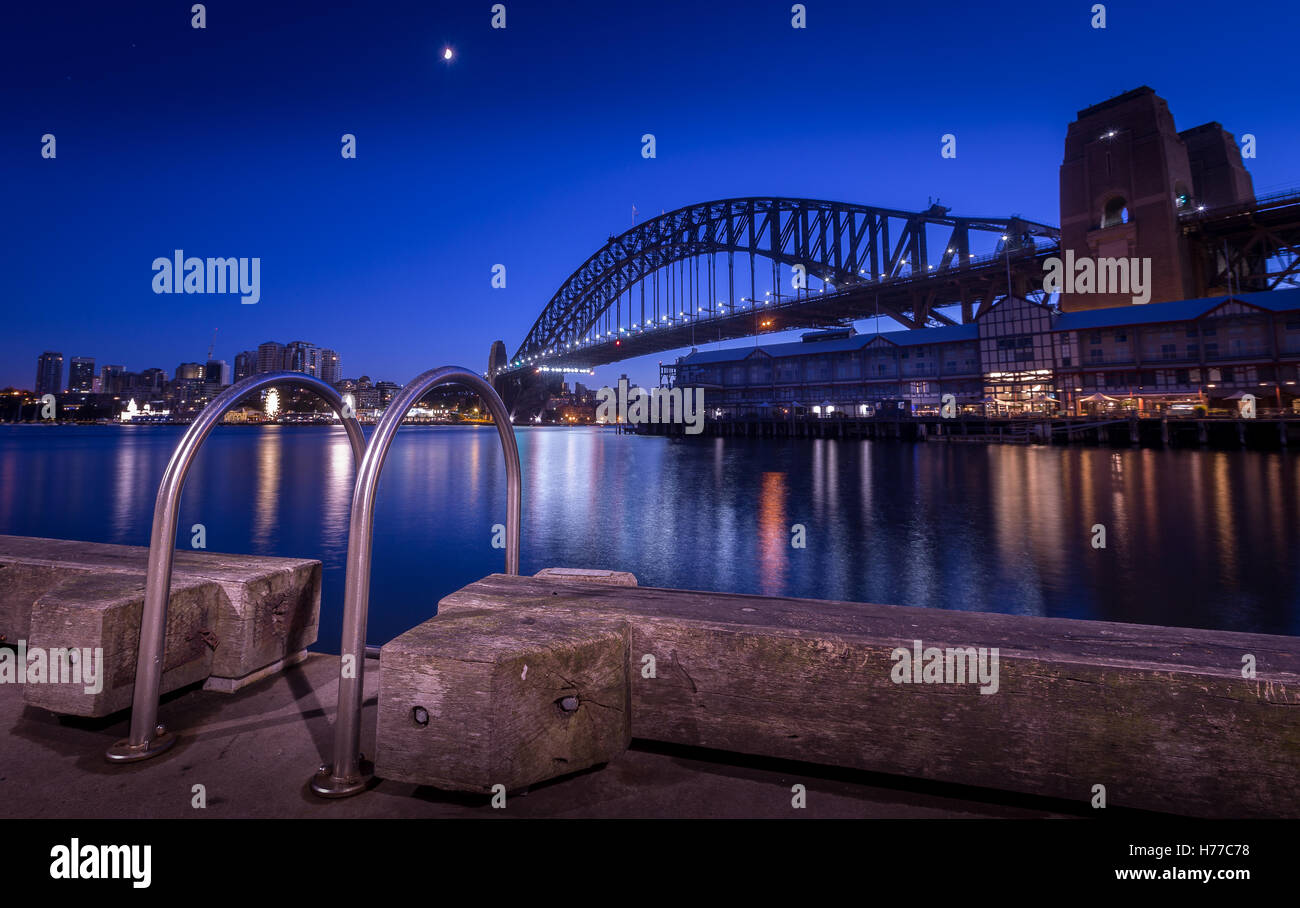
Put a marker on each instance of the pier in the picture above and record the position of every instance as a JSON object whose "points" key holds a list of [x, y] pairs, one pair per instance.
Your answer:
{"points": [[1262, 433]]}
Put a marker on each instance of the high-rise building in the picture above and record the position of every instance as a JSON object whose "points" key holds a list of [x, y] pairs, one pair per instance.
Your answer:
{"points": [[81, 374], [245, 364], [49, 373], [300, 356], [110, 379], [331, 368], [270, 357], [189, 372], [216, 372], [152, 380]]}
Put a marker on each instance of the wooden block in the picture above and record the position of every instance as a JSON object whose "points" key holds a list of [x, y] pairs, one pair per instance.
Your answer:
{"points": [[103, 613], [268, 613], [21, 584], [1161, 716], [586, 575], [487, 699]]}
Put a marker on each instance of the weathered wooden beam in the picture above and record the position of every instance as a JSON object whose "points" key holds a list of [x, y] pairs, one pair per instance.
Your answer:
{"points": [[98, 617], [265, 611], [1162, 717], [501, 698]]}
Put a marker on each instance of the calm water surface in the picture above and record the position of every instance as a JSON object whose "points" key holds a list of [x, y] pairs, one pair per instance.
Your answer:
{"points": [[1194, 538]]}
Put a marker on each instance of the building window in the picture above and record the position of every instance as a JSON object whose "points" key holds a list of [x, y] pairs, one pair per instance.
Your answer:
{"points": [[1116, 212], [1095, 339], [1169, 351]]}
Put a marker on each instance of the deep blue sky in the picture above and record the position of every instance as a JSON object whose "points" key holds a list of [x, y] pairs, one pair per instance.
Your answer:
{"points": [[525, 150]]}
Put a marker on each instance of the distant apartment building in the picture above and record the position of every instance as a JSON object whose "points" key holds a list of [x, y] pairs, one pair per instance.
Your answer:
{"points": [[49, 373], [270, 357], [245, 364], [216, 372], [81, 373], [110, 379], [331, 368], [189, 372], [300, 356], [149, 381]]}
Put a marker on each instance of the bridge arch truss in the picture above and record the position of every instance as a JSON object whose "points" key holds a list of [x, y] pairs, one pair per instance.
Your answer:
{"points": [[681, 268]]}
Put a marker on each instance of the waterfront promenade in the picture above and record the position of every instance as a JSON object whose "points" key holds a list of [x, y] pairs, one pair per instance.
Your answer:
{"points": [[254, 751]]}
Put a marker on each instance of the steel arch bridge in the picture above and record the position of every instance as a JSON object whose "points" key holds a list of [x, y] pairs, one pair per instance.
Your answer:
{"points": [[857, 261]]}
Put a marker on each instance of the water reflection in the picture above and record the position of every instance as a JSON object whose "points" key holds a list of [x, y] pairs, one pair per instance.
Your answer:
{"points": [[266, 503], [1194, 538]]}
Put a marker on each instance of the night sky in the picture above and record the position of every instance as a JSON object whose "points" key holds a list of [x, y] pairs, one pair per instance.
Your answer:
{"points": [[525, 148]]}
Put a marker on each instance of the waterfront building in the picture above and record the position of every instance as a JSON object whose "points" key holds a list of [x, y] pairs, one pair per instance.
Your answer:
{"points": [[49, 373], [1021, 357]]}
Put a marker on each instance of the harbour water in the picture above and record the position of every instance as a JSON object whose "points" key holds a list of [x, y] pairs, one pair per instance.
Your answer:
{"points": [[1193, 538]]}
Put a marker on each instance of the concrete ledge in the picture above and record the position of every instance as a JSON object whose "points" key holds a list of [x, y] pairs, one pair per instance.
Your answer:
{"points": [[231, 619], [1162, 717]]}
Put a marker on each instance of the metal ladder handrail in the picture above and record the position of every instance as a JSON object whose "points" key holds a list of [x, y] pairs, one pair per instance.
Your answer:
{"points": [[345, 776], [147, 738]]}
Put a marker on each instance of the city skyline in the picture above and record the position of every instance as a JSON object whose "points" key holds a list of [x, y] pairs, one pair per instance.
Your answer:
{"points": [[327, 365]]}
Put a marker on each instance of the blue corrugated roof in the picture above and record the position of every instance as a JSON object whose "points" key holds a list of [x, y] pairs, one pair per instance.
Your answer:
{"points": [[1177, 311], [905, 338]]}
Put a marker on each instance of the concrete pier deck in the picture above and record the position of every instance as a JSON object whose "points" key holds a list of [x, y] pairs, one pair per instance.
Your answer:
{"points": [[253, 751]]}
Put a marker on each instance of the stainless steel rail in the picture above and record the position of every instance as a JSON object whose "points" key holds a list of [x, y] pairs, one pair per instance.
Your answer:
{"points": [[148, 738], [345, 776]]}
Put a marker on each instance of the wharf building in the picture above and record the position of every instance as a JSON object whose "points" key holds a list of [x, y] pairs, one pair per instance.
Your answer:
{"points": [[1023, 357]]}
